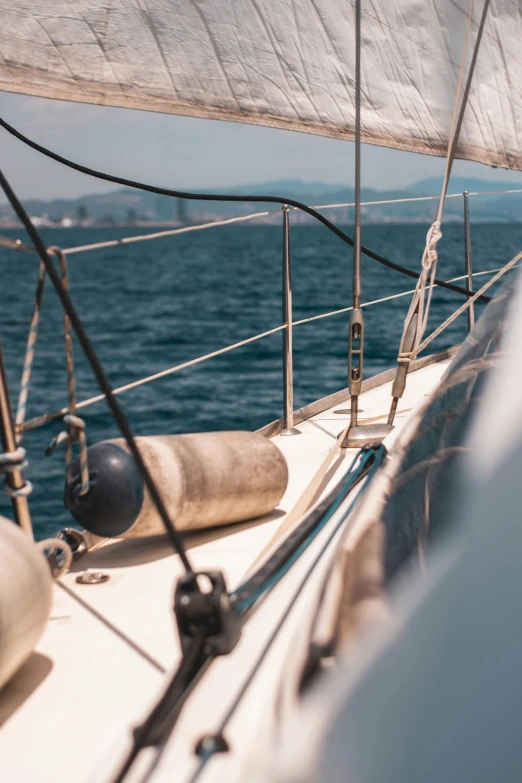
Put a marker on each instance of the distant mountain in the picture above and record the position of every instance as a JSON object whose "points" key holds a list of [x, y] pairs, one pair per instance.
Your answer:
{"points": [[293, 188], [129, 206]]}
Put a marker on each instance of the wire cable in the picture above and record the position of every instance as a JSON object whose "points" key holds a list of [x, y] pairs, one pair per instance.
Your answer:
{"points": [[227, 198], [45, 418], [17, 244]]}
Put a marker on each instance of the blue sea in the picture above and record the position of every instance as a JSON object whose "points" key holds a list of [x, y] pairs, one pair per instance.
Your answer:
{"points": [[152, 305]]}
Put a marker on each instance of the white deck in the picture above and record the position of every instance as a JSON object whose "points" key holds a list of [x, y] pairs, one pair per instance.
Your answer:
{"points": [[108, 648]]}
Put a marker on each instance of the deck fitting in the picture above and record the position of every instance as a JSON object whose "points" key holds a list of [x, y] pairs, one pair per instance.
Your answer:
{"points": [[365, 435], [210, 744], [290, 431], [92, 578]]}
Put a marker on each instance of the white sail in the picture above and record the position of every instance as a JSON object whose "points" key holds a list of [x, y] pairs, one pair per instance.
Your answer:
{"points": [[282, 63]]}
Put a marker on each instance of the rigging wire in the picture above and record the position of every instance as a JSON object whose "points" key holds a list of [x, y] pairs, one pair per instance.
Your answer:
{"points": [[45, 418], [226, 198], [467, 304], [356, 326], [17, 244], [98, 371], [417, 317]]}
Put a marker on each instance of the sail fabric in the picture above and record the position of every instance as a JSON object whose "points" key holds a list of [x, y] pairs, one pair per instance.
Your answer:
{"points": [[281, 63]]}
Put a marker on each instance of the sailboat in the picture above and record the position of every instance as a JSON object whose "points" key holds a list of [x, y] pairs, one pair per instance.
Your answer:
{"points": [[335, 596]]}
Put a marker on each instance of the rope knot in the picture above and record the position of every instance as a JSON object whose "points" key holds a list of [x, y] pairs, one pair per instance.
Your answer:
{"points": [[74, 430], [75, 426], [74, 433], [432, 239], [24, 491], [10, 461]]}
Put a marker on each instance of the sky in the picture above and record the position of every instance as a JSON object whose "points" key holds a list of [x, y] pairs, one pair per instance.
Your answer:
{"points": [[189, 153]]}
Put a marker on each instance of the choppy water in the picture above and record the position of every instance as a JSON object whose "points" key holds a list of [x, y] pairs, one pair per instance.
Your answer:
{"points": [[153, 305]]}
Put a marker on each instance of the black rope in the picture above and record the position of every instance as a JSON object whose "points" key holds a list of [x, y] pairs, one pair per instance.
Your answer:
{"points": [[160, 722], [99, 373], [216, 197]]}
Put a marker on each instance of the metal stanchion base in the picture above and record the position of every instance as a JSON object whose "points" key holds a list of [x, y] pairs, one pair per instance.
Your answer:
{"points": [[365, 435], [291, 431]]}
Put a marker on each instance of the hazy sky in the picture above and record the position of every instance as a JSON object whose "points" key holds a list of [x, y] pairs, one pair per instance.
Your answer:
{"points": [[182, 152]]}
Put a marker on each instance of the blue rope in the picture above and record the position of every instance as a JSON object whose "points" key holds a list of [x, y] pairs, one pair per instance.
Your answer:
{"points": [[354, 473]]}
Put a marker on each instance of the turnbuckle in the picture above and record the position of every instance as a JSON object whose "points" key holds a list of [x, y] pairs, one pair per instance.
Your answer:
{"points": [[202, 603]]}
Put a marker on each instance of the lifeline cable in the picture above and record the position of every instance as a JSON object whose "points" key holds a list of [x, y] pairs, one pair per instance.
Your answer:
{"points": [[98, 371], [216, 197]]}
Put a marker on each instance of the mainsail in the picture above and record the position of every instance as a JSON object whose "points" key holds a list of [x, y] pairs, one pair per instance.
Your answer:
{"points": [[281, 63]]}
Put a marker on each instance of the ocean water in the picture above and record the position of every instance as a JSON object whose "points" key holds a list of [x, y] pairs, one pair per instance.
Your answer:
{"points": [[155, 304]]}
